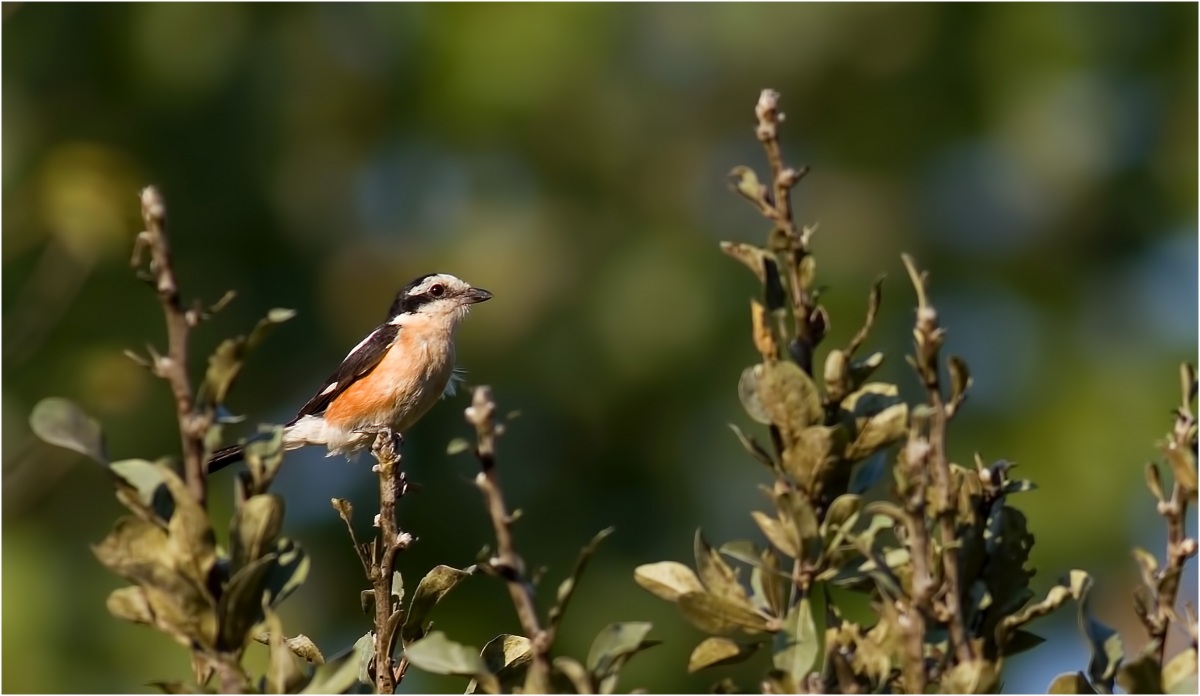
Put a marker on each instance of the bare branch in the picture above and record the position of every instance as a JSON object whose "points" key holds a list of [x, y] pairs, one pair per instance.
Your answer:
{"points": [[193, 424], [506, 563]]}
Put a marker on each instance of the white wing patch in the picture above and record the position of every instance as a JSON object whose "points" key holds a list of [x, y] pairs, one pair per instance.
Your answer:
{"points": [[354, 350], [330, 388]]}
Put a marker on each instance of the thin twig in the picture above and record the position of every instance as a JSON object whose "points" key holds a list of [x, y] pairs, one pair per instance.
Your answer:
{"points": [[506, 563], [783, 178], [1174, 511], [193, 424], [393, 484], [929, 339]]}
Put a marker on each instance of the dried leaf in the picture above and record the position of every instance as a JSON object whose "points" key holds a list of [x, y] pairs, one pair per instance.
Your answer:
{"points": [[714, 652], [974, 677], [718, 577], [432, 588], [782, 536], [284, 673], [506, 656], [63, 423], [720, 615], [764, 340], [1070, 683], [344, 509], [667, 579]]}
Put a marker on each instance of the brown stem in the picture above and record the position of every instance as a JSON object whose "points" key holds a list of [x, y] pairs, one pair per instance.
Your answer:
{"points": [[783, 178], [506, 562], [1179, 547], [193, 425], [393, 484], [946, 513]]}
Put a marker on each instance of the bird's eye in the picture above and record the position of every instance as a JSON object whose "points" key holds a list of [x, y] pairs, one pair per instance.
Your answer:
{"points": [[437, 290]]}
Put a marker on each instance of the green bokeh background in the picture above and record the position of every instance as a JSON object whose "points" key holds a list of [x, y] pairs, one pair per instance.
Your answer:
{"points": [[1040, 160]]}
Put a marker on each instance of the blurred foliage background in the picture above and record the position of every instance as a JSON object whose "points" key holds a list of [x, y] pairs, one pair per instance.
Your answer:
{"points": [[1040, 160]]}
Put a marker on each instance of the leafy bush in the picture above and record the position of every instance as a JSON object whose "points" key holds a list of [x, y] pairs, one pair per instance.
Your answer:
{"points": [[927, 589]]}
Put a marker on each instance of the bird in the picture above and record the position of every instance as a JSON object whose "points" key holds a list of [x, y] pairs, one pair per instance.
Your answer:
{"points": [[390, 379]]}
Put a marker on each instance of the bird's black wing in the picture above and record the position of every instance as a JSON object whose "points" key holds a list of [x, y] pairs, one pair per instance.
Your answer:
{"points": [[359, 362]]}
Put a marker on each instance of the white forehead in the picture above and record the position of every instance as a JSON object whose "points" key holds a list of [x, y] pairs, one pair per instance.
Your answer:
{"points": [[451, 283]]}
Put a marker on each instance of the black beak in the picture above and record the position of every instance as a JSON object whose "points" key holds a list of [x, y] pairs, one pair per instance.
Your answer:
{"points": [[476, 295]]}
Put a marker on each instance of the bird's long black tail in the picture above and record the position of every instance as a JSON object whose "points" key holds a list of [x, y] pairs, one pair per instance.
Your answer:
{"points": [[224, 457]]}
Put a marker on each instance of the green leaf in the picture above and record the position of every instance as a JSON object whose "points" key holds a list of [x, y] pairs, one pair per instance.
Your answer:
{"points": [[264, 456], [142, 487], [748, 393], [241, 603], [613, 647], [878, 418], [341, 675], [868, 473], [789, 398], [288, 571], [852, 606], [745, 182], [753, 447], [432, 588], [719, 615], [567, 587], [799, 646], [1070, 683], [63, 423], [457, 446], [713, 652], [1179, 673], [439, 655], [667, 579], [226, 362], [1154, 481], [255, 527]]}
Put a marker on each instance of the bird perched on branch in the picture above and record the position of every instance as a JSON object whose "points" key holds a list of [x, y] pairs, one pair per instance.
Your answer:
{"points": [[390, 379]]}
